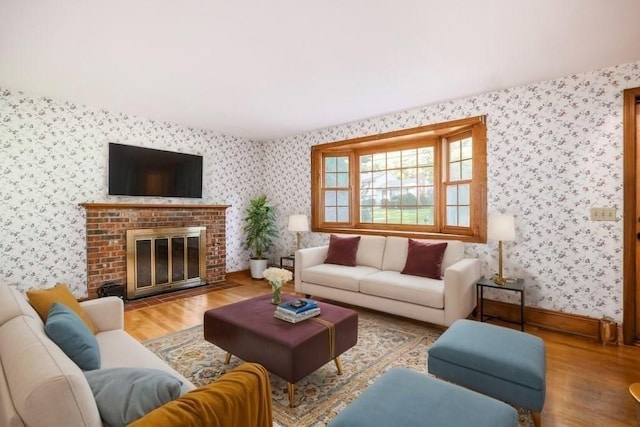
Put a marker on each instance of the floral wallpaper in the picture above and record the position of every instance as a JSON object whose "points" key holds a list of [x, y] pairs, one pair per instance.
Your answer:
{"points": [[554, 151], [53, 156]]}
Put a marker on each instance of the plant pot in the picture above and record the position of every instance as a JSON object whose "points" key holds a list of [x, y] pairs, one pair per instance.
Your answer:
{"points": [[258, 266]]}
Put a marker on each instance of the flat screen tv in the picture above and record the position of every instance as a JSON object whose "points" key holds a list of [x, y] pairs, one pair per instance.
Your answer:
{"points": [[138, 171]]}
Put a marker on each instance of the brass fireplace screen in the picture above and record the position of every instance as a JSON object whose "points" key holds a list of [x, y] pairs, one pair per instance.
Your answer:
{"points": [[164, 259]]}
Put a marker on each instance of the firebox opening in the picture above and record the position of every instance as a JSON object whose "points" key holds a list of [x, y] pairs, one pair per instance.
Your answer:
{"points": [[165, 259]]}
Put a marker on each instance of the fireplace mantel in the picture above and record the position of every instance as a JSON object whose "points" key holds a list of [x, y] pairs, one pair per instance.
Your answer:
{"points": [[149, 206], [107, 225]]}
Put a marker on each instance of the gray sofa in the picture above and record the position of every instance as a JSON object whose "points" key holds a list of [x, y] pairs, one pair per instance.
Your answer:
{"points": [[376, 281]]}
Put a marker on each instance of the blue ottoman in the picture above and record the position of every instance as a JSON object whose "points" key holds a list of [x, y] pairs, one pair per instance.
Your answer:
{"points": [[405, 398], [502, 363]]}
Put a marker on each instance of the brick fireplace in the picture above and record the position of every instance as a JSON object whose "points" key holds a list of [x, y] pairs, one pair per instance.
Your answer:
{"points": [[107, 225]]}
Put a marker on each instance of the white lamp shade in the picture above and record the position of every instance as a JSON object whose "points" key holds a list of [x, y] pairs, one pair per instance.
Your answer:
{"points": [[501, 227], [298, 223]]}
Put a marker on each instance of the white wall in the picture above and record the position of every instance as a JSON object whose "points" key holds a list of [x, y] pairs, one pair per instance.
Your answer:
{"points": [[554, 151]]}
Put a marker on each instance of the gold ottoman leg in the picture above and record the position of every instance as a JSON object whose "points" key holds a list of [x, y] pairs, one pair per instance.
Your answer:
{"points": [[292, 395], [536, 419], [338, 365], [227, 358]]}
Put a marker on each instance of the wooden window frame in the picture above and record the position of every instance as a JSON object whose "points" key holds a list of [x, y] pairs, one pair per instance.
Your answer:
{"points": [[415, 137]]}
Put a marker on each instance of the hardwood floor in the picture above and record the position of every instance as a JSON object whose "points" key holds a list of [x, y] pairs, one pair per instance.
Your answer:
{"points": [[587, 382]]}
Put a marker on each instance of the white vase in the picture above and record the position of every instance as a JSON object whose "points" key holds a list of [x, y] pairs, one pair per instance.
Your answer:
{"points": [[258, 266]]}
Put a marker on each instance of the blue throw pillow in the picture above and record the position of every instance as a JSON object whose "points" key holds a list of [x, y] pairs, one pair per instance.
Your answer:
{"points": [[73, 336], [125, 394]]}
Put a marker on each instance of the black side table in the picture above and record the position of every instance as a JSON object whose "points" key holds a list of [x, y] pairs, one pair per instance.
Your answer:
{"points": [[517, 286], [291, 266]]}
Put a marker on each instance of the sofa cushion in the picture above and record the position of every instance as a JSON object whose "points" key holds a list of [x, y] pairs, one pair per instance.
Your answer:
{"points": [[371, 251], [125, 394], [73, 336], [337, 276], [403, 287], [13, 304], [43, 299], [424, 259], [397, 248], [118, 349], [342, 250], [36, 369]]}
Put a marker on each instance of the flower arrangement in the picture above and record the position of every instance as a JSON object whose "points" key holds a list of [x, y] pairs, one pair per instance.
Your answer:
{"points": [[277, 277]]}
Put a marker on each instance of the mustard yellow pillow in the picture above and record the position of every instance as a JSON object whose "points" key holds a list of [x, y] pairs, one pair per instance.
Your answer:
{"points": [[43, 299]]}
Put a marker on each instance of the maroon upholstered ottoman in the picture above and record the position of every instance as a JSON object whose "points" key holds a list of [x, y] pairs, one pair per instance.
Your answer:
{"points": [[292, 351]]}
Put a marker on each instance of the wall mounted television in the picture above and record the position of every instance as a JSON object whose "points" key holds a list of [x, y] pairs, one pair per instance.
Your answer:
{"points": [[138, 171]]}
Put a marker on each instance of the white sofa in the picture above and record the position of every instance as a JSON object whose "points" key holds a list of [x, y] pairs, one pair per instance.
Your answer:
{"points": [[39, 384], [376, 282]]}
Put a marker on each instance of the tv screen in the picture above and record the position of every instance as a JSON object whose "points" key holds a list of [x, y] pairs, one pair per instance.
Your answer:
{"points": [[137, 171]]}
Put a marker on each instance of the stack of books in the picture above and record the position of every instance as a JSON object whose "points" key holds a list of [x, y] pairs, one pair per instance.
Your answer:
{"points": [[297, 310]]}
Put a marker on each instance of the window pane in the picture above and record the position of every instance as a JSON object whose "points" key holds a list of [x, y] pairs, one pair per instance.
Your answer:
{"points": [[366, 214], [409, 197], [366, 181], [463, 216], [393, 159], [452, 215], [343, 180], [365, 163], [452, 195], [379, 161], [330, 198], [366, 198], [380, 215], [409, 215], [343, 214], [409, 158], [330, 214], [425, 216], [343, 164], [426, 196], [454, 171], [330, 164], [330, 180], [425, 156], [382, 197], [454, 151], [466, 169], [463, 194], [467, 148], [342, 198], [425, 176]]}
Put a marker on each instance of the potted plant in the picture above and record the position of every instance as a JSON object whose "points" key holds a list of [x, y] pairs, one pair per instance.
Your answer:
{"points": [[260, 230]]}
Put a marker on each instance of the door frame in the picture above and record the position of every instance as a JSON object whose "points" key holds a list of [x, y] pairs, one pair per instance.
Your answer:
{"points": [[630, 215]]}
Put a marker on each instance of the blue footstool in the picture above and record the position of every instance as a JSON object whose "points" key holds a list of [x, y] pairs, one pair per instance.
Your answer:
{"points": [[405, 398], [502, 363]]}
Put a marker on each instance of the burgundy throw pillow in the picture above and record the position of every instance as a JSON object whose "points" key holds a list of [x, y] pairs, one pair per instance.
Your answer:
{"points": [[425, 259], [342, 250]]}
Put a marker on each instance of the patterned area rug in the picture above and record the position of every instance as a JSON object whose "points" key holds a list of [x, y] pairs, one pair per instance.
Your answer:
{"points": [[383, 343]]}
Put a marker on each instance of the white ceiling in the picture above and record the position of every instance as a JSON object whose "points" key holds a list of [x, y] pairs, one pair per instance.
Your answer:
{"points": [[268, 69]]}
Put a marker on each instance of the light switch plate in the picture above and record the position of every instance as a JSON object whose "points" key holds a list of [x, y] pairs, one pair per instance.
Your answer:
{"points": [[603, 214]]}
